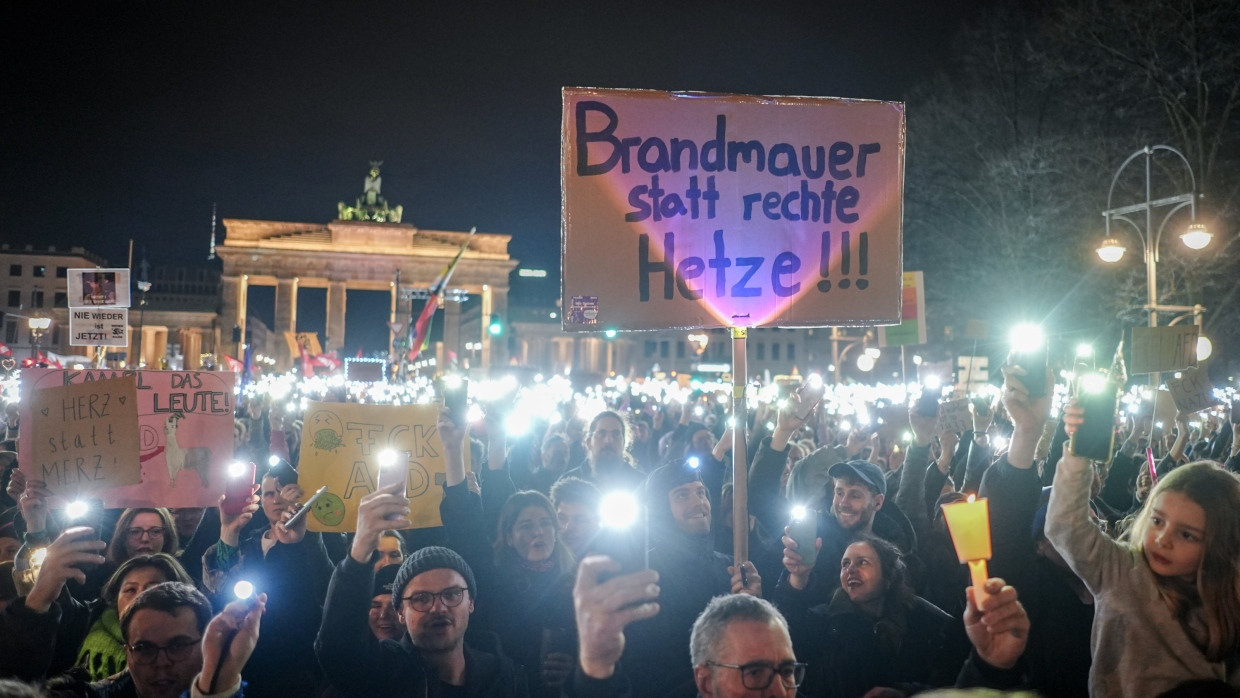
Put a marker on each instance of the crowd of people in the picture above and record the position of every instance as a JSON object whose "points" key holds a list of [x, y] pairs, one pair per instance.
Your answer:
{"points": [[594, 556]]}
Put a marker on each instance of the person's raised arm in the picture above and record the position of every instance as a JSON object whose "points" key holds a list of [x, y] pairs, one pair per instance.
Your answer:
{"points": [[1028, 416], [72, 550], [346, 649], [605, 608], [227, 644]]}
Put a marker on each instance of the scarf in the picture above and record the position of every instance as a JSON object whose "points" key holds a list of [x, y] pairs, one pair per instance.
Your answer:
{"points": [[103, 650]]}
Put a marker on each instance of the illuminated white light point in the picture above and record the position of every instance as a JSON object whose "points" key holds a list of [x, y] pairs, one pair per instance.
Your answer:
{"points": [[387, 458], [799, 512], [272, 461], [618, 510], [237, 468], [243, 589], [76, 509]]}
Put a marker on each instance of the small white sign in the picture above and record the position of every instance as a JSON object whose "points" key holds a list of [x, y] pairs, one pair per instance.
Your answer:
{"points": [[91, 288], [99, 327]]}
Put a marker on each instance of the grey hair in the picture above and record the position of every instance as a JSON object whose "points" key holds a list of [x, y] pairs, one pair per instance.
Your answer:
{"points": [[721, 612]]}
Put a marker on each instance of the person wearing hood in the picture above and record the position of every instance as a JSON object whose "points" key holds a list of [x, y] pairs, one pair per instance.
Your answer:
{"points": [[691, 574]]}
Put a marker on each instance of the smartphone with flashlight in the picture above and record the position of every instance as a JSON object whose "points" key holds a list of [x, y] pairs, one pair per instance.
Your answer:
{"points": [[1034, 364], [928, 404], [456, 399], [803, 530], [239, 490], [314, 498], [811, 392], [623, 532], [1095, 437], [88, 513], [392, 470], [981, 407]]}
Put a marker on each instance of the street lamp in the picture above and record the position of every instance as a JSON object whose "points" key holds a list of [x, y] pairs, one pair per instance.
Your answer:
{"points": [[37, 325], [1195, 237], [143, 286]]}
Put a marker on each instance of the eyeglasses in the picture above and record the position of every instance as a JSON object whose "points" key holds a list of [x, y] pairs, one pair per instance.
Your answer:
{"points": [[757, 676], [422, 601], [153, 532], [148, 652]]}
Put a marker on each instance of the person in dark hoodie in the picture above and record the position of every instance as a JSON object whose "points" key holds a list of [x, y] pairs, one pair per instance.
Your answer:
{"points": [[434, 593], [691, 574]]}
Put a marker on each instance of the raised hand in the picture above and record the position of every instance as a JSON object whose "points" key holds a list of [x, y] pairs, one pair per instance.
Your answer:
{"points": [[232, 524], [999, 629], [798, 571], [71, 551], [604, 609], [377, 512], [227, 643]]}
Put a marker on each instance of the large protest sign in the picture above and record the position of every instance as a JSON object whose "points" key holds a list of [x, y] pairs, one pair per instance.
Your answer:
{"points": [[685, 210], [1170, 348], [341, 446], [84, 437], [184, 432]]}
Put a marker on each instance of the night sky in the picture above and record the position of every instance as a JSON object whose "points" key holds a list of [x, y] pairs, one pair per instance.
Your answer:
{"points": [[129, 119]]}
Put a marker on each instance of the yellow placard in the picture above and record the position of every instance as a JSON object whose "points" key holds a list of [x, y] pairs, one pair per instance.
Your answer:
{"points": [[341, 443]]}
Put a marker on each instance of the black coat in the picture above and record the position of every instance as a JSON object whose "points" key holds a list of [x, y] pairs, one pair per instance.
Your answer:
{"points": [[910, 647]]}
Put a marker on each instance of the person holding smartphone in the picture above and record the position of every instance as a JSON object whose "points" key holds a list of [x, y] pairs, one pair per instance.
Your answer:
{"points": [[289, 564], [434, 595]]}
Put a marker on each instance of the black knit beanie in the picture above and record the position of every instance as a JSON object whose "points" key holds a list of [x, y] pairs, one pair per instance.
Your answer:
{"points": [[431, 558]]}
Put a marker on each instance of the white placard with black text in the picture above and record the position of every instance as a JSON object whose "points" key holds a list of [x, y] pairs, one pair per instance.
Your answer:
{"points": [[99, 327]]}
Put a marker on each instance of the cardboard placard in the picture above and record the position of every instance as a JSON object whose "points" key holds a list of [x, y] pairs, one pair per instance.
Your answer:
{"points": [[99, 327], [1192, 391], [1157, 349], [184, 432], [954, 415], [92, 288], [691, 210], [340, 448], [84, 437]]}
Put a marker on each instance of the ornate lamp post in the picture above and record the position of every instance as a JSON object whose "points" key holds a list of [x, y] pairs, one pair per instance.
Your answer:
{"points": [[1195, 236]]}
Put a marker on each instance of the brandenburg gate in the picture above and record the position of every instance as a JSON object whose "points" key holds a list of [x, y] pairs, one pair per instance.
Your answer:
{"points": [[362, 250]]}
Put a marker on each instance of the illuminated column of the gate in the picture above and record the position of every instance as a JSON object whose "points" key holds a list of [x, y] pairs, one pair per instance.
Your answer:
{"points": [[286, 320], [335, 316]]}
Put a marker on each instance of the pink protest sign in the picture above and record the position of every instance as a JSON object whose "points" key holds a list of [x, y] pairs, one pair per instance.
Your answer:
{"points": [[184, 433], [686, 210]]}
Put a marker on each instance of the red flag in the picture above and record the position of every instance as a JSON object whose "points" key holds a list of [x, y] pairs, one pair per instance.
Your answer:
{"points": [[329, 360], [421, 328], [233, 365], [307, 369]]}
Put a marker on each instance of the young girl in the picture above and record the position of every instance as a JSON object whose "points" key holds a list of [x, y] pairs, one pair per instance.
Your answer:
{"points": [[1167, 597]]}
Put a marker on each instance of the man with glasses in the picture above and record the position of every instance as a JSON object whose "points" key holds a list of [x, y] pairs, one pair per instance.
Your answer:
{"points": [[433, 594], [740, 646], [172, 645]]}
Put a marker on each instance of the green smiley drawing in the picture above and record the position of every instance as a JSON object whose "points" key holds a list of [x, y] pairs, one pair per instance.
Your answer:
{"points": [[329, 510]]}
